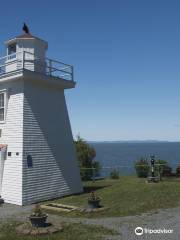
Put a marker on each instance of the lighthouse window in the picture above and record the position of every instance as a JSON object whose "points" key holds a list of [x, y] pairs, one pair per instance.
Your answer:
{"points": [[11, 49], [9, 154], [29, 161], [2, 108]]}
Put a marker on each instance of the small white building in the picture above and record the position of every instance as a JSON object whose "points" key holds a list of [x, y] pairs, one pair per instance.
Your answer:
{"points": [[37, 155]]}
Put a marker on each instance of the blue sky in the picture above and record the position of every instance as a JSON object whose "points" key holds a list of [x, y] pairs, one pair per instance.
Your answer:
{"points": [[126, 55]]}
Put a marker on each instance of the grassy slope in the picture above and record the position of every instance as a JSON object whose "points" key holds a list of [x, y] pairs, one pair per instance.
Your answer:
{"points": [[70, 232], [128, 196]]}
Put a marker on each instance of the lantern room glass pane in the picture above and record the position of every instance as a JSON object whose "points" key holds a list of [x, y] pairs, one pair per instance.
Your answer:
{"points": [[11, 49]]}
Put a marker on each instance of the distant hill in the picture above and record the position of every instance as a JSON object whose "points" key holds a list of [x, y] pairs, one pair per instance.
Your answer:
{"points": [[131, 141]]}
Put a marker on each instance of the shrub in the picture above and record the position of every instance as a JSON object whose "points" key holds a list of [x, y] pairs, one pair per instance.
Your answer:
{"points": [[178, 171], [167, 171], [142, 168], [160, 167], [85, 156], [93, 197], [96, 165], [37, 211], [114, 174], [94, 200]]}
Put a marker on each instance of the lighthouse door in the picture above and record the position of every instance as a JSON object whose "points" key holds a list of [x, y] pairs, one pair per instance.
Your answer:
{"points": [[2, 159]]}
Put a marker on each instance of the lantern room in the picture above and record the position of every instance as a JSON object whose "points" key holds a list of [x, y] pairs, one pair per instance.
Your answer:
{"points": [[26, 46]]}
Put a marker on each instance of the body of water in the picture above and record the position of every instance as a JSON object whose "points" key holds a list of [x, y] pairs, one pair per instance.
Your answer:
{"points": [[123, 155]]}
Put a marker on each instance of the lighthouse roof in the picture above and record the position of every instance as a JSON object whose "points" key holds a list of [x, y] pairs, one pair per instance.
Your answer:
{"points": [[25, 36], [28, 36]]}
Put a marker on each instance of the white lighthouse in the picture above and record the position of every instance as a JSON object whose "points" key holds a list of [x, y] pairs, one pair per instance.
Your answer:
{"points": [[37, 155]]}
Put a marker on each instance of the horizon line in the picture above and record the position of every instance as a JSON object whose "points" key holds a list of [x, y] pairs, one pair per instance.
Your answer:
{"points": [[146, 140]]}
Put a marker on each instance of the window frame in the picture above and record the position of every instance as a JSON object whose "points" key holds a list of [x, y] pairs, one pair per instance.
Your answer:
{"points": [[5, 105], [29, 161], [10, 48]]}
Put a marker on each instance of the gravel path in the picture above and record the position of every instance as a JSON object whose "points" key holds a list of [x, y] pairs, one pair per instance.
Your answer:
{"points": [[164, 219]]}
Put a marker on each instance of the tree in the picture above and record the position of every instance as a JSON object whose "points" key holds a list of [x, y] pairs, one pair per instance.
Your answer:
{"points": [[142, 168], [85, 155]]}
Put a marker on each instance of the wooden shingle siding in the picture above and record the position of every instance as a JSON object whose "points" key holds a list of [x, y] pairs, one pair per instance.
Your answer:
{"points": [[48, 139], [12, 134]]}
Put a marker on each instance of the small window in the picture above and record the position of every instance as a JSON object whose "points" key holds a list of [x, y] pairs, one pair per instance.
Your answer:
{"points": [[11, 49], [29, 161], [17, 153], [2, 106], [9, 154], [0, 133]]}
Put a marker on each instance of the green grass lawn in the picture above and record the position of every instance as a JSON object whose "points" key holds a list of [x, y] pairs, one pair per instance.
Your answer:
{"points": [[70, 232], [127, 196]]}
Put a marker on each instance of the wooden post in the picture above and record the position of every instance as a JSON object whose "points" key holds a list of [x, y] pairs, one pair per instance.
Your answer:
{"points": [[93, 172], [50, 67], [23, 59], [72, 73]]}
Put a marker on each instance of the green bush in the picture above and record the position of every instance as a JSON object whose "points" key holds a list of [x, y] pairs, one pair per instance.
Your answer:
{"points": [[114, 174], [142, 168], [178, 171], [85, 156], [167, 171], [160, 167]]}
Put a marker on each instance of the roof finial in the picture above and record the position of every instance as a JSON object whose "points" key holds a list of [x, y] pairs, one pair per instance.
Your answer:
{"points": [[25, 28]]}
